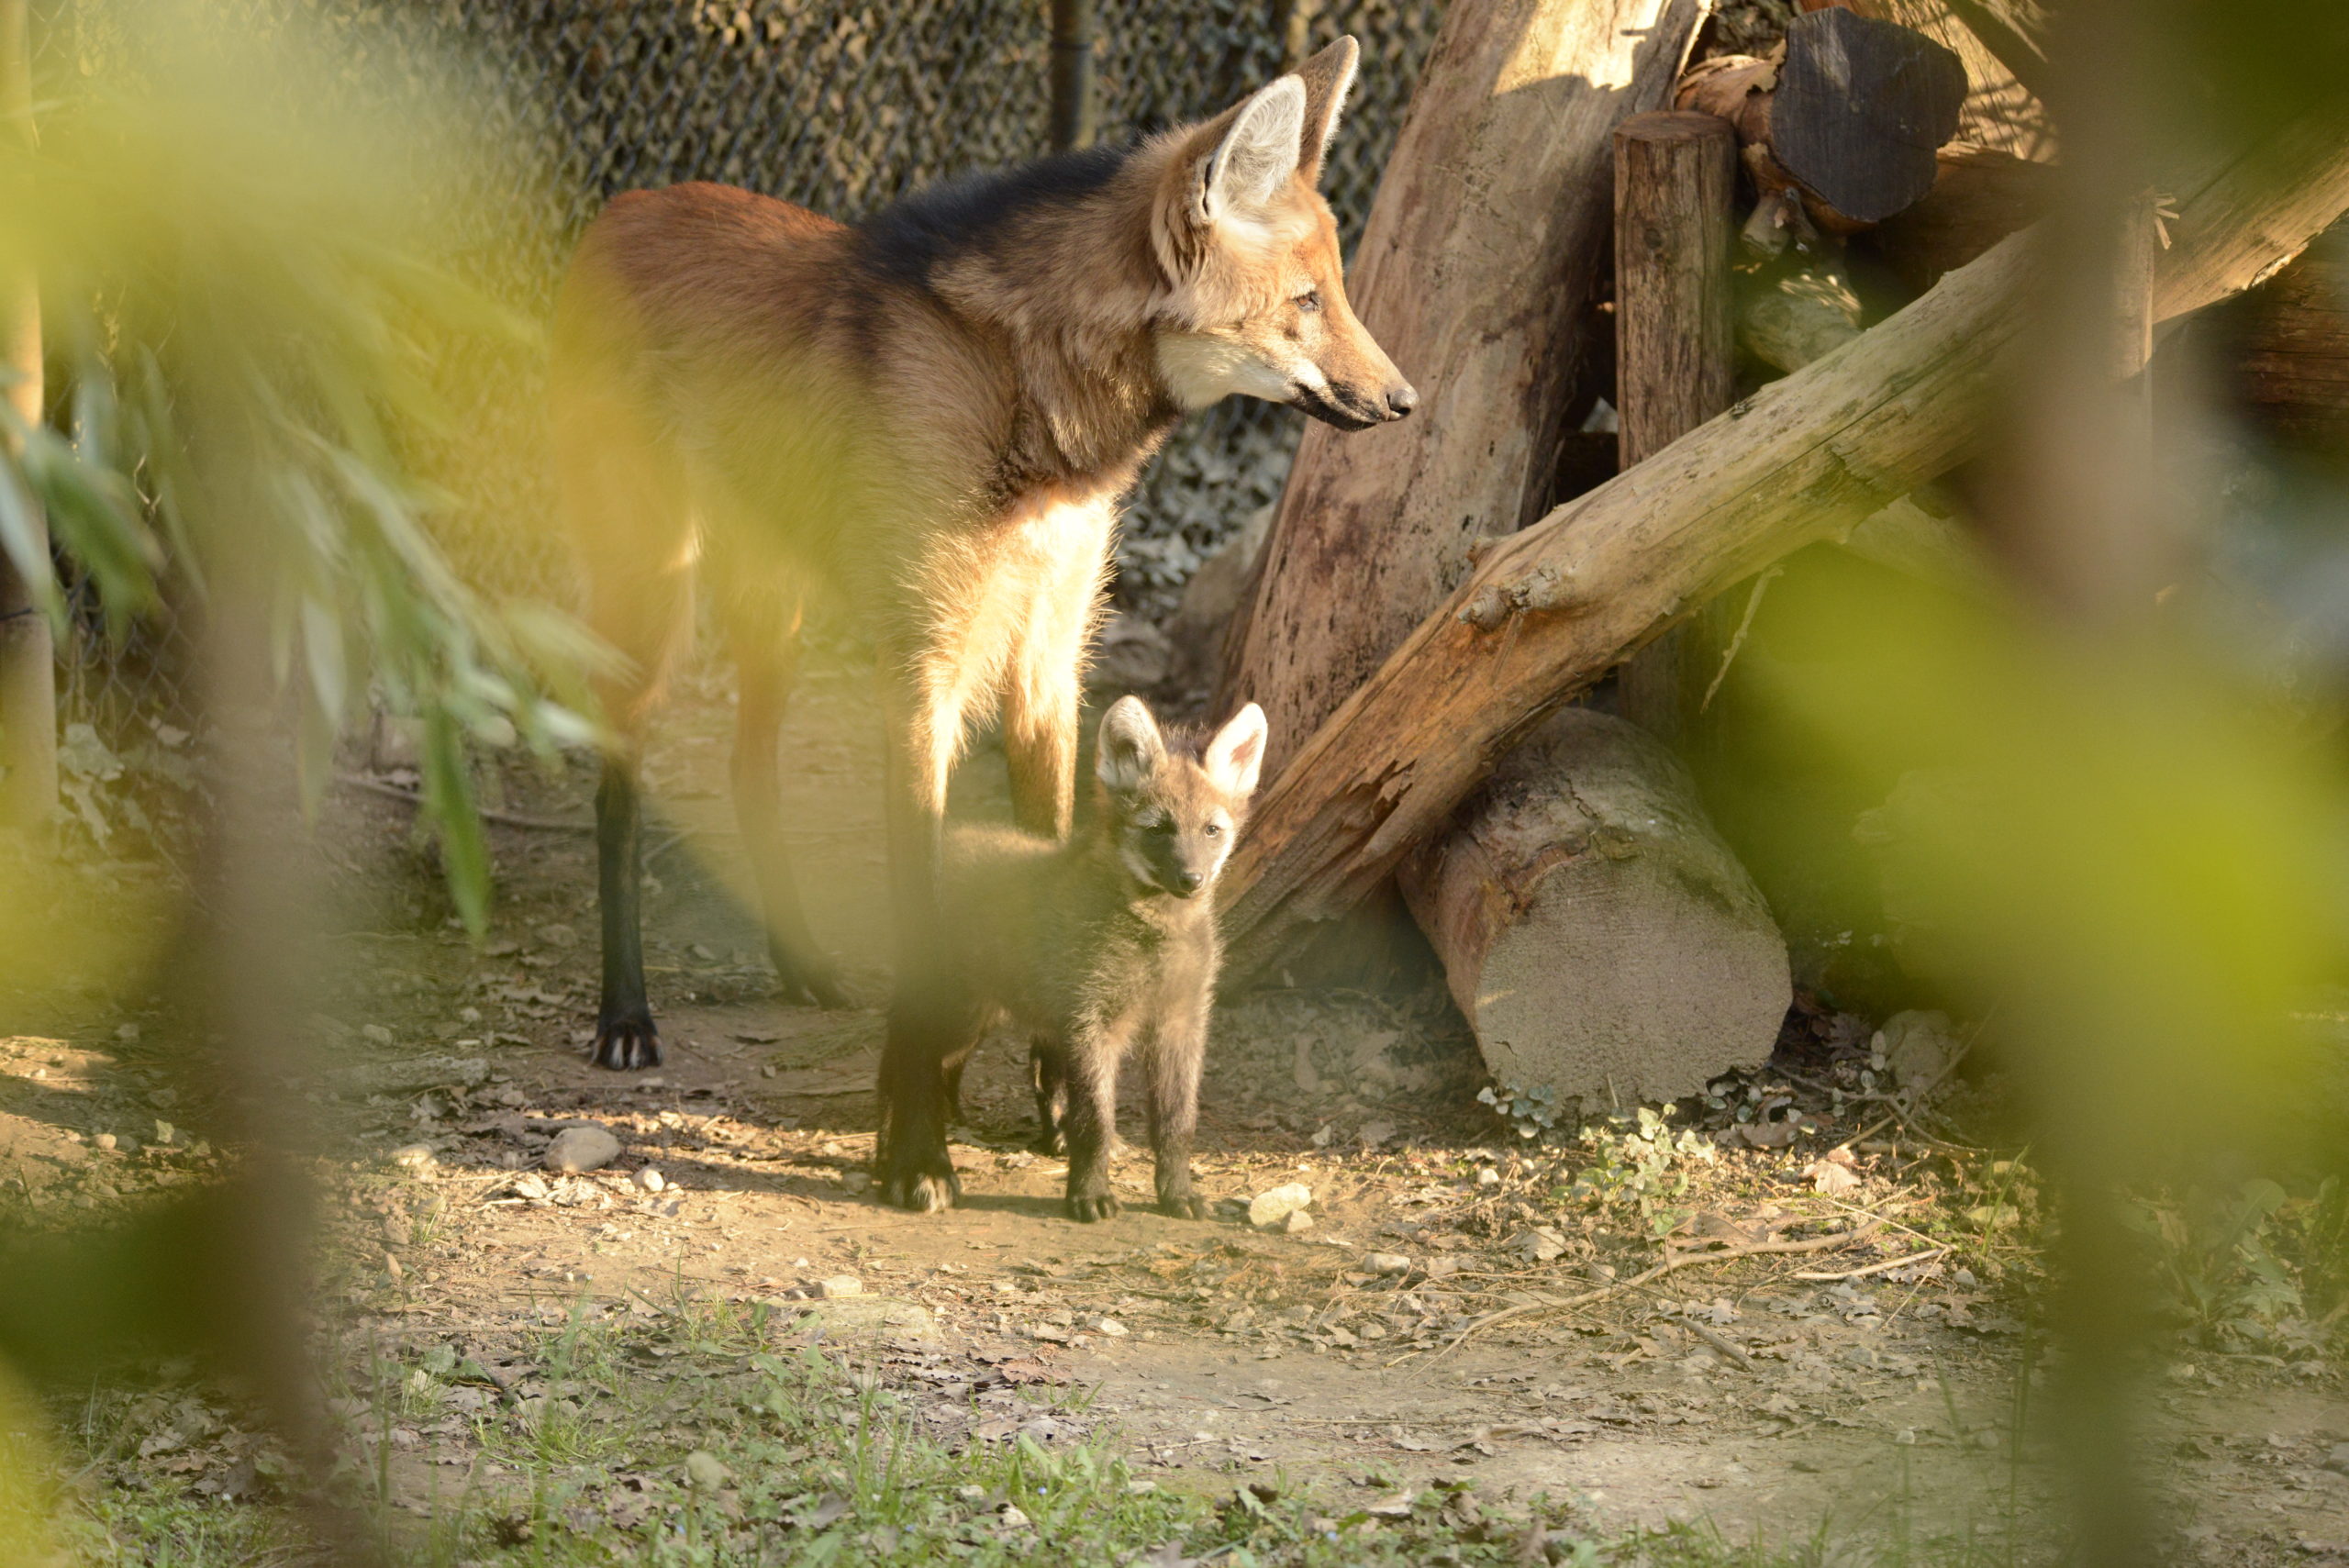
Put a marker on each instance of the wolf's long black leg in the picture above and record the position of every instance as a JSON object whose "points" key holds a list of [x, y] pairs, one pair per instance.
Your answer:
{"points": [[625, 1037]]}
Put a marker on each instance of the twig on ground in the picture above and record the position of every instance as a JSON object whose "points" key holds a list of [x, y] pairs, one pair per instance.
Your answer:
{"points": [[1686, 1260], [1884, 1267]]}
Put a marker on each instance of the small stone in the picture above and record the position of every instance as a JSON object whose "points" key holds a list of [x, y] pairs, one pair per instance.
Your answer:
{"points": [[585, 1148], [2338, 1459], [1488, 1177], [1111, 1326], [1268, 1210], [375, 1033], [705, 1471], [1387, 1263], [650, 1180], [558, 936], [855, 1182], [838, 1286], [127, 1034], [1295, 1220], [1011, 1517], [104, 1141], [415, 1157]]}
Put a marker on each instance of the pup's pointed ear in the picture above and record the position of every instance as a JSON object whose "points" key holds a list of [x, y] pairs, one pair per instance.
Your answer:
{"points": [[1329, 76], [1258, 149], [1236, 755], [1129, 749]]}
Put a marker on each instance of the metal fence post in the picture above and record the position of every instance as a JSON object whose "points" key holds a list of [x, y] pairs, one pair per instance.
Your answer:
{"points": [[28, 660], [1075, 117]]}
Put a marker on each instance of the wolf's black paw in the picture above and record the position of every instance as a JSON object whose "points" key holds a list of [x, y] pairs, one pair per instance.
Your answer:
{"points": [[1184, 1205], [628, 1042], [1086, 1208], [1049, 1142]]}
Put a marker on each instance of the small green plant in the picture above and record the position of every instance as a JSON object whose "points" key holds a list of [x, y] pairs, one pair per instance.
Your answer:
{"points": [[2218, 1258], [1532, 1113], [1641, 1162]]}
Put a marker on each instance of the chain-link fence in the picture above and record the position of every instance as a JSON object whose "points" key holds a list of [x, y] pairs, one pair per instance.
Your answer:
{"points": [[839, 105]]}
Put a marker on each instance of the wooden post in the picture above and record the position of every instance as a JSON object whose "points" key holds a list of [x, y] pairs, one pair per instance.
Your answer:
{"points": [[1076, 116], [27, 657], [1676, 176]]}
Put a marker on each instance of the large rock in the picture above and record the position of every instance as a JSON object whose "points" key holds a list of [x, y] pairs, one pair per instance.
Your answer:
{"points": [[586, 1147]]}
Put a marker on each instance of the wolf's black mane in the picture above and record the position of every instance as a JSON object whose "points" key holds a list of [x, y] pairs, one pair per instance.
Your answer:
{"points": [[912, 235]]}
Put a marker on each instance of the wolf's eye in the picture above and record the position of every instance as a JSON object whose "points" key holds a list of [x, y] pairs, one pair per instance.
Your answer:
{"points": [[1309, 301]]}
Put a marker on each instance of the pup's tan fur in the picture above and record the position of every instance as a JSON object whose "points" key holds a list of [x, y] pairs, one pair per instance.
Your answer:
{"points": [[932, 416], [1107, 944]]}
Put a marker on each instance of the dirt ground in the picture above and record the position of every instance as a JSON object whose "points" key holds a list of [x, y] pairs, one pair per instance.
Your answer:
{"points": [[1455, 1312]]}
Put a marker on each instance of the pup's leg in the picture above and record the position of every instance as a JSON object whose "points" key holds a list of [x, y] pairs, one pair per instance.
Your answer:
{"points": [[766, 651], [1178, 1049], [1048, 1072], [1092, 1061]]}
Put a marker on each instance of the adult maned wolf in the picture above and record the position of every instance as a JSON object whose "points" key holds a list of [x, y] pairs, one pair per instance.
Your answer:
{"points": [[930, 416]]}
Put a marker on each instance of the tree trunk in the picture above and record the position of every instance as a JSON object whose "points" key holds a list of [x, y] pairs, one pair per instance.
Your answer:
{"points": [[1549, 611], [1595, 932], [27, 657], [1481, 254]]}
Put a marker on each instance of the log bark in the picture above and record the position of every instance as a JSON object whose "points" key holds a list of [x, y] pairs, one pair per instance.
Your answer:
{"points": [[1595, 932], [27, 657], [1550, 609], [1978, 198], [1481, 253], [2294, 368]]}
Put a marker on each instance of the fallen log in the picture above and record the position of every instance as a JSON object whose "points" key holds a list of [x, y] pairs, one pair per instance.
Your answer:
{"points": [[1481, 255], [1595, 932], [1550, 609]]}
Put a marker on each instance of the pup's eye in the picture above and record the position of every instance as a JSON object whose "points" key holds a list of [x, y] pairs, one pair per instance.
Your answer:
{"points": [[1215, 829], [1156, 825], [1309, 301]]}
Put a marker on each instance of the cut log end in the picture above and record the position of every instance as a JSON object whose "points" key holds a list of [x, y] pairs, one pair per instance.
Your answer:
{"points": [[1597, 934]]}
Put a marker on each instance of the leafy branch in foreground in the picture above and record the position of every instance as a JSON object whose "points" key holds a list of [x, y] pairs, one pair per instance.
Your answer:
{"points": [[254, 337]]}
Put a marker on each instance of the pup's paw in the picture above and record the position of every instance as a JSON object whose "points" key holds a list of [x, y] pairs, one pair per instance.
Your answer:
{"points": [[1086, 1208]]}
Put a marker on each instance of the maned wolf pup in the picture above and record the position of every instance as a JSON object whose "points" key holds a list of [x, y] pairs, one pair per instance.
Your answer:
{"points": [[1108, 942], [927, 419]]}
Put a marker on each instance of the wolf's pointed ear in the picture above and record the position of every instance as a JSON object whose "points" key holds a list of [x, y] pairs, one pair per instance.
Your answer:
{"points": [[1129, 749], [1258, 151], [1329, 76], [1236, 755]]}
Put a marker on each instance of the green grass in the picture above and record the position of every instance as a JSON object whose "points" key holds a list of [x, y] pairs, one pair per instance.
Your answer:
{"points": [[717, 1435]]}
